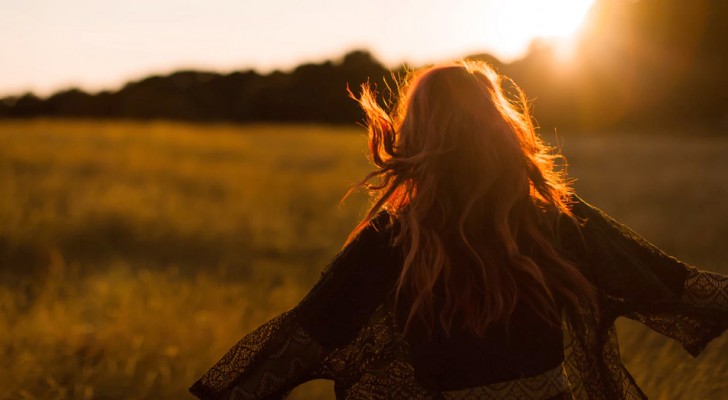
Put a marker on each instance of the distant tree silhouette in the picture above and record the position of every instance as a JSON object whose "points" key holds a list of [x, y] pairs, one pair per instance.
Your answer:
{"points": [[73, 102], [27, 105], [647, 62], [309, 93]]}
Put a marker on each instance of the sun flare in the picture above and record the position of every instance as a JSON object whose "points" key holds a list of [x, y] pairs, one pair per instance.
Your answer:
{"points": [[519, 22], [554, 18]]}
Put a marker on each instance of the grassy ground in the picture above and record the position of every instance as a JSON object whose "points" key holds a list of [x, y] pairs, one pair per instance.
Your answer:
{"points": [[132, 255]]}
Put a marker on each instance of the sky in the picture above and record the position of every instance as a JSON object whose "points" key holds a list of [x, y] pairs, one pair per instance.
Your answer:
{"points": [[50, 45]]}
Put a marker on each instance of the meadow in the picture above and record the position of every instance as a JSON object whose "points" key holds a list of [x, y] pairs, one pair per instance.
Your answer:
{"points": [[134, 254]]}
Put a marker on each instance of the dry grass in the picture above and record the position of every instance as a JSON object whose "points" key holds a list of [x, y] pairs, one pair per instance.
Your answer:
{"points": [[132, 255]]}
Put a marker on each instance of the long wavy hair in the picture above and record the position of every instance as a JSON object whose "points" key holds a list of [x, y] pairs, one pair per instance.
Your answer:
{"points": [[477, 197]]}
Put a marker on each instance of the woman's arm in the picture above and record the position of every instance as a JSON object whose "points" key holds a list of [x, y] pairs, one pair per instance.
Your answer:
{"points": [[292, 348], [706, 289], [266, 364], [660, 291]]}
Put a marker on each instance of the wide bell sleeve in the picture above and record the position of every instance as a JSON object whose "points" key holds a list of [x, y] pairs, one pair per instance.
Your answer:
{"points": [[635, 279], [266, 364], [294, 347], [645, 284]]}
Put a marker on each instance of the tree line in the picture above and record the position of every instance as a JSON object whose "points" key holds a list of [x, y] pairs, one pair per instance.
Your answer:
{"points": [[647, 62]]}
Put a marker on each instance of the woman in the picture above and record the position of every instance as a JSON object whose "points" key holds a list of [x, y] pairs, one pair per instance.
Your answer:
{"points": [[476, 274]]}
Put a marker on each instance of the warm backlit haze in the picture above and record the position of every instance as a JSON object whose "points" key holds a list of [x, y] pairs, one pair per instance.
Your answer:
{"points": [[47, 46], [145, 230]]}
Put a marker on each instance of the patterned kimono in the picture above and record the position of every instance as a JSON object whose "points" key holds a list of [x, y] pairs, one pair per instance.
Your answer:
{"points": [[346, 328]]}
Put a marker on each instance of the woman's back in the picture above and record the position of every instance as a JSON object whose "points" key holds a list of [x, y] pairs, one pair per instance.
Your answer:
{"points": [[363, 279], [347, 329], [476, 274]]}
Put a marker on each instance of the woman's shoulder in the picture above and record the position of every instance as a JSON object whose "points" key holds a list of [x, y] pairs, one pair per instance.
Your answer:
{"points": [[383, 227], [583, 210], [589, 223]]}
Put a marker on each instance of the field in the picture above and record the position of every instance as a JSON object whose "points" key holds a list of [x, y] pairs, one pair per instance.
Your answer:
{"points": [[132, 255]]}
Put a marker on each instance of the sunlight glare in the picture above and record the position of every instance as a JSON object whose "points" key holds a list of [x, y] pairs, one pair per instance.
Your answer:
{"points": [[519, 22], [554, 18]]}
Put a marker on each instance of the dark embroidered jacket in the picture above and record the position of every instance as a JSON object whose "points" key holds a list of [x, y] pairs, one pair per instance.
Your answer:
{"points": [[345, 329]]}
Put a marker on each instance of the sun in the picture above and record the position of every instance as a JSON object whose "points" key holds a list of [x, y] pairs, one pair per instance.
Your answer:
{"points": [[553, 18], [518, 22]]}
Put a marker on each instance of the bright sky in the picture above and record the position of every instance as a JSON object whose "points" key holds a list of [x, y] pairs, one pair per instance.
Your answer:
{"points": [[47, 45]]}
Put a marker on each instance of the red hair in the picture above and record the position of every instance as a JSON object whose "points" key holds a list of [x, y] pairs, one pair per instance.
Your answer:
{"points": [[476, 195]]}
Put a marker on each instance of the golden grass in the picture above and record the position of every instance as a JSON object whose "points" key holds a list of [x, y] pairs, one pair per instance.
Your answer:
{"points": [[134, 254]]}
